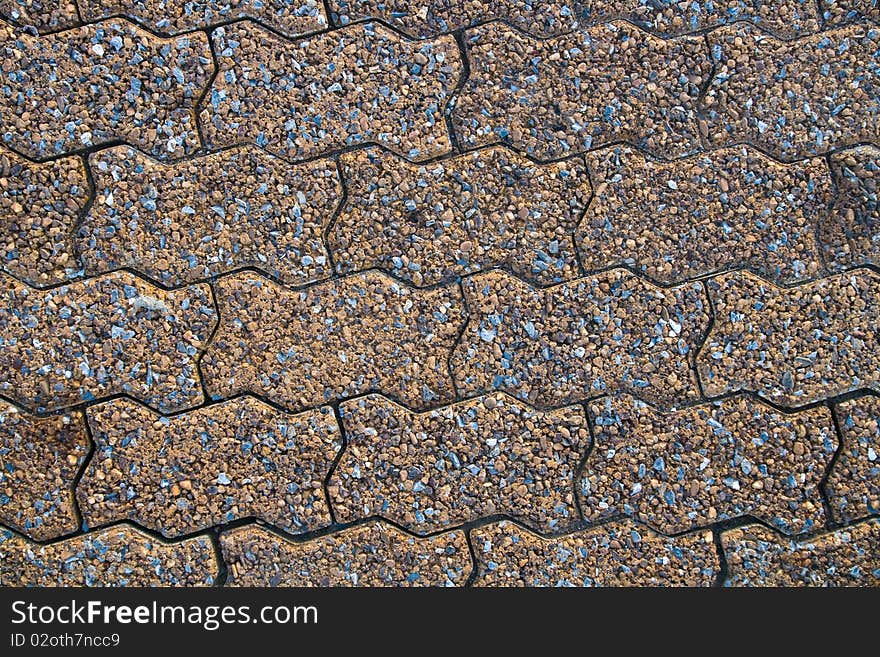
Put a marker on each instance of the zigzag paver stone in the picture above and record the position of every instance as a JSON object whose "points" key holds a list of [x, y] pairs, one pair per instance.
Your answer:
{"points": [[98, 84], [581, 91], [853, 485], [603, 333], [117, 556], [688, 218], [345, 337], [429, 223], [105, 336], [851, 236], [792, 346], [614, 554], [208, 467], [183, 222], [39, 459], [40, 205], [290, 17], [434, 470], [687, 469], [43, 15], [352, 86], [793, 99], [372, 554], [757, 556], [442, 16]]}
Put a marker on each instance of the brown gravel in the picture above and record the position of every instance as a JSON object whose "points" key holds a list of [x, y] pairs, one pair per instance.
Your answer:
{"points": [[853, 485], [207, 467], [39, 207], [432, 222], [358, 334], [185, 222], [44, 15], [616, 554], [552, 346], [852, 236], [723, 210], [757, 556], [290, 17], [796, 99], [120, 556], [473, 459], [836, 12], [39, 458], [792, 346], [678, 471], [356, 85], [108, 335], [785, 18], [373, 554], [89, 86], [577, 92], [425, 19]]}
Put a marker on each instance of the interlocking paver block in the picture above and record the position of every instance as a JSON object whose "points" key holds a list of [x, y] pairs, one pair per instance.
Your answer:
{"points": [[356, 85], [39, 458], [793, 346], [853, 485], [39, 207], [757, 556], [187, 221], [835, 12], [210, 466], [466, 461], [117, 556], [569, 94], [441, 16], [785, 18], [851, 236], [687, 469], [290, 17], [358, 334], [552, 346], [727, 209], [794, 99], [373, 554], [44, 15], [104, 336], [429, 223], [615, 554], [101, 83]]}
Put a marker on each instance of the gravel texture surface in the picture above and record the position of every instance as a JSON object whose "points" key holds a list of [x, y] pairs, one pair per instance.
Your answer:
{"points": [[448, 293]]}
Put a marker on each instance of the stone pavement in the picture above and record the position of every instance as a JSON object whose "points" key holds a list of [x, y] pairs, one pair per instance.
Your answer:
{"points": [[454, 293]]}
